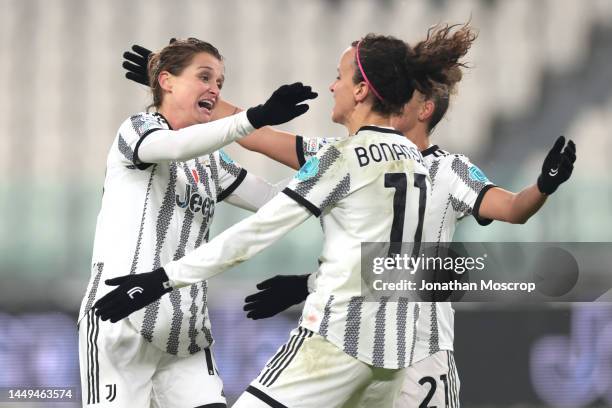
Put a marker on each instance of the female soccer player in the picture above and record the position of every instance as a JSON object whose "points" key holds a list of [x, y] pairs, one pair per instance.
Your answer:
{"points": [[458, 189], [338, 356], [164, 177]]}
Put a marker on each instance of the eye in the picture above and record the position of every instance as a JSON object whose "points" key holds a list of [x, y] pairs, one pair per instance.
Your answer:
{"points": [[220, 85], [204, 78]]}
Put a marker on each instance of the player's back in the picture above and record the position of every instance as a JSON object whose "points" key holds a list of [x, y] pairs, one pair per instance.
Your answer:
{"points": [[371, 187]]}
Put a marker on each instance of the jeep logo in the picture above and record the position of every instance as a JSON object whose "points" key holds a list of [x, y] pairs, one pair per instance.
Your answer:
{"points": [[195, 203]]}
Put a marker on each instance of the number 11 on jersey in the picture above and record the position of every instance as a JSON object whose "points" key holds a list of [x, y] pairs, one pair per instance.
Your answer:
{"points": [[399, 181]]}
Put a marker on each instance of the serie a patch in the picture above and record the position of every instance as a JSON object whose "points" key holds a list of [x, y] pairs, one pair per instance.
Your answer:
{"points": [[309, 169], [477, 175]]}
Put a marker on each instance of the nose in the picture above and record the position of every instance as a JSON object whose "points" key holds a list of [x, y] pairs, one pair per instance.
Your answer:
{"points": [[331, 86], [214, 89]]}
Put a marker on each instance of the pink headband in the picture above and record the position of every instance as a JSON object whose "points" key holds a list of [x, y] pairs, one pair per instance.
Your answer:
{"points": [[365, 77]]}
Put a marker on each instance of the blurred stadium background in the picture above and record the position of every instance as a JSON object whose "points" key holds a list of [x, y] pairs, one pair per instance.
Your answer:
{"points": [[540, 68]]}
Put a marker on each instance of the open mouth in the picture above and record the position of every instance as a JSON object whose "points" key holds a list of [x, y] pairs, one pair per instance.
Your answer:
{"points": [[206, 104]]}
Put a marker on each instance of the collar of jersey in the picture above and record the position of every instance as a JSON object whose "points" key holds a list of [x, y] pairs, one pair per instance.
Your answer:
{"points": [[379, 129], [429, 150], [164, 118]]}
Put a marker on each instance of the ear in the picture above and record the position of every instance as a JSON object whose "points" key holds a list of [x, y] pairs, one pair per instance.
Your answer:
{"points": [[165, 80], [360, 91], [426, 111]]}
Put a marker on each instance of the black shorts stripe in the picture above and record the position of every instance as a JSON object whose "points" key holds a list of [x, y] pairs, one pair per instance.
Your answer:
{"points": [[89, 364], [97, 385], [264, 397], [280, 371], [214, 405], [279, 358], [452, 370], [93, 371], [282, 361], [457, 384], [444, 379], [449, 376], [92, 365], [276, 357]]}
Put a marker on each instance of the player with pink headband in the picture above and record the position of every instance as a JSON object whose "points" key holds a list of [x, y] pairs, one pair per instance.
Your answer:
{"points": [[292, 149], [365, 78], [338, 356]]}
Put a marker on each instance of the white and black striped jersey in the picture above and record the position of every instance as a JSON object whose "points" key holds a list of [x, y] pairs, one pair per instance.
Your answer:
{"points": [[354, 186], [152, 214], [457, 189]]}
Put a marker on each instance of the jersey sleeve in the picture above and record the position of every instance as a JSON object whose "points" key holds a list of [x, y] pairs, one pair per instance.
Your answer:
{"points": [[321, 182], [254, 192], [238, 243], [131, 133], [230, 175], [469, 188], [305, 148]]}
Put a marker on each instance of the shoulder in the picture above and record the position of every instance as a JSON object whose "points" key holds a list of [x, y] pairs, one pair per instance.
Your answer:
{"points": [[312, 145], [438, 157], [435, 152], [143, 122], [455, 165]]}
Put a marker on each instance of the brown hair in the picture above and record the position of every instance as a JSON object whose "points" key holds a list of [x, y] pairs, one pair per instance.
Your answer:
{"points": [[438, 64], [385, 62], [174, 58]]}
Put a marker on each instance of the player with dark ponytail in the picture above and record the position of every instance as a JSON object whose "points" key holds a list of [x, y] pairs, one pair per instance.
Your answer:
{"points": [[455, 194], [460, 186], [433, 68], [440, 55], [338, 355]]}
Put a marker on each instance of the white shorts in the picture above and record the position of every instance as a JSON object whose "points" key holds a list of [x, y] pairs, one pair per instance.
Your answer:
{"points": [[431, 382], [310, 372], [119, 368]]}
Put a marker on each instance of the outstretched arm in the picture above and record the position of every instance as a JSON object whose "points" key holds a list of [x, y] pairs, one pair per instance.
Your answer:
{"points": [[232, 247], [254, 192], [275, 144], [238, 243], [283, 105], [190, 142], [517, 208]]}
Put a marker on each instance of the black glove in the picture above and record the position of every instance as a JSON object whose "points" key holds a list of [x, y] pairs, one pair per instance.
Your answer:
{"points": [[276, 294], [558, 166], [135, 63], [282, 105], [134, 292]]}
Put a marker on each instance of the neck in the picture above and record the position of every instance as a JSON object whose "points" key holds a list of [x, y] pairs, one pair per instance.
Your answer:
{"points": [[363, 117], [175, 118], [419, 135]]}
